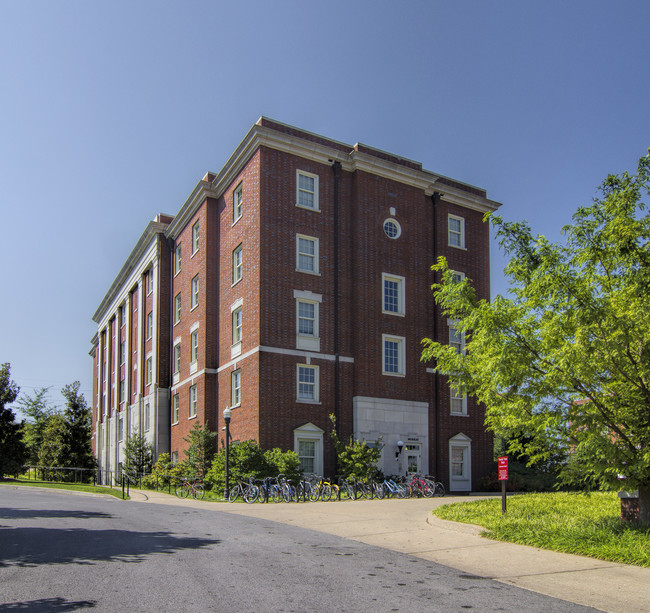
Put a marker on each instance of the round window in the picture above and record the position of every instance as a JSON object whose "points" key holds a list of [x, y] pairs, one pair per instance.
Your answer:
{"points": [[392, 228]]}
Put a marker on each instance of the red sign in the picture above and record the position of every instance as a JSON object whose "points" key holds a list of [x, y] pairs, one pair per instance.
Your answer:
{"points": [[503, 468]]}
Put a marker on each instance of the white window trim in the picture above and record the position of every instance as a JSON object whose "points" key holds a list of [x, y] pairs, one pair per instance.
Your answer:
{"points": [[194, 295], [196, 239], [313, 239], [316, 206], [235, 348], [310, 432], [462, 231], [461, 482], [401, 355], [401, 294], [178, 308], [309, 342], [148, 363], [238, 249], [235, 402], [316, 398], [397, 225], [453, 396], [178, 259], [457, 273], [195, 389], [194, 359], [238, 190], [176, 371], [146, 416], [175, 409], [451, 323], [149, 325]]}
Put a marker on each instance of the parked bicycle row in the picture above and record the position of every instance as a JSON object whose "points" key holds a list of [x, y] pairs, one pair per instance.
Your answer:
{"points": [[281, 489]]}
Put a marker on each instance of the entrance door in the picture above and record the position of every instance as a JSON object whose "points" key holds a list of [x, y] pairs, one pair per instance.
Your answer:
{"points": [[413, 458]]}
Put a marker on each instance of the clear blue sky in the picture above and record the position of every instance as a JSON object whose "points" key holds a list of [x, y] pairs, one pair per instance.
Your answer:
{"points": [[112, 111]]}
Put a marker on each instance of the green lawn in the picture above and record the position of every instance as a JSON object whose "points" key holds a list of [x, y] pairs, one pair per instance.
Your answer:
{"points": [[77, 487], [586, 524]]}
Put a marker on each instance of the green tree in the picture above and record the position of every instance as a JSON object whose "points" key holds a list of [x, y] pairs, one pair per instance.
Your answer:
{"points": [[356, 458], [13, 451], [78, 421], [137, 456], [38, 410], [54, 451], [200, 451], [563, 362]]}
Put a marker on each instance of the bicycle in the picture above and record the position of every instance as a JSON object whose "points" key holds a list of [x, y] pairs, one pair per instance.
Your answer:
{"points": [[248, 491], [192, 488]]}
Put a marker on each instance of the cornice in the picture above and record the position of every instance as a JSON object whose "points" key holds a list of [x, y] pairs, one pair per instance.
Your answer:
{"points": [[144, 244]]}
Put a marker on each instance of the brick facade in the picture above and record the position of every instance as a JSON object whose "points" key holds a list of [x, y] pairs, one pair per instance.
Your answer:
{"points": [[301, 266]]}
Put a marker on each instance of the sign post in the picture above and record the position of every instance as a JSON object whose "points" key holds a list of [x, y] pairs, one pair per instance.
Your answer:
{"points": [[503, 477]]}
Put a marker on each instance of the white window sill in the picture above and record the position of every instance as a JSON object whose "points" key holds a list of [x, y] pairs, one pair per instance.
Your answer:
{"points": [[235, 350], [457, 247], [194, 307], [304, 401], [236, 220], [308, 343], [308, 208], [394, 313], [394, 374], [235, 282], [308, 272], [175, 378], [191, 417]]}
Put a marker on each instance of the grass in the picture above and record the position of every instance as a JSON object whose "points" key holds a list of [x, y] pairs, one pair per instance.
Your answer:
{"points": [[77, 487], [586, 524]]}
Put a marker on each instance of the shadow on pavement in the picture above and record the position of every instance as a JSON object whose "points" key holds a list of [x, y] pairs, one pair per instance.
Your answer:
{"points": [[9, 513], [46, 605]]}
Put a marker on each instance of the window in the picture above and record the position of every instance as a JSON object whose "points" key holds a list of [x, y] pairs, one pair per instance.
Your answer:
{"points": [[393, 358], [456, 231], [122, 391], [307, 318], [195, 238], [149, 325], [237, 265], [149, 373], [307, 456], [392, 229], [175, 408], [460, 463], [307, 190], [458, 402], [120, 428], [235, 388], [146, 417], [177, 308], [194, 299], [237, 202], [122, 352], [193, 400], [393, 294], [237, 325], [174, 457], [307, 383], [177, 358], [456, 338], [194, 346], [456, 276], [306, 254], [177, 259]]}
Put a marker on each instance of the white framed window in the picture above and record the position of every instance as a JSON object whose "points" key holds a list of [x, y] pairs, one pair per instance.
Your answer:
{"points": [[307, 389], [122, 352], [235, 388], [122, 391], [148, 281], [237, 202], [194, 347], [120, 428], [456, 231], [177, 259], [237, 264], [194, 296], [393, 294], [177, 308], [392, 229], [237, 325], [393, 355], [149, 325], [306, 254], [307, 455], [174, 457], [456, 338], [458, 401], [460, 463], [308, 444], [177, 358], [146, 418], [195, 238], [194, 400], [307, 190], [149, 371], [307, 320], [175, 408], [456, 276]]}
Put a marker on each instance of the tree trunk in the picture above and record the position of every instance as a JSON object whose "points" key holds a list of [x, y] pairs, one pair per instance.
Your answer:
{"points": [[644, 505]]}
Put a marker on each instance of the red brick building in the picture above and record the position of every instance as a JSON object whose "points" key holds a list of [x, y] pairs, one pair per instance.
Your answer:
{"points": [[293, 284]]}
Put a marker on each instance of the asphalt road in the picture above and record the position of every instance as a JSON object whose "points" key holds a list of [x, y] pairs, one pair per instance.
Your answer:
{"points": [[66, 552]]}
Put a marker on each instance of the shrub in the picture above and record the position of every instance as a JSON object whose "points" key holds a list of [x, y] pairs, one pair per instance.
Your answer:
{"points": [[164, 473]]}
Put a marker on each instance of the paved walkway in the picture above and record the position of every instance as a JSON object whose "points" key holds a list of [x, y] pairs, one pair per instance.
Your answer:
{"points": [[409, 527]]}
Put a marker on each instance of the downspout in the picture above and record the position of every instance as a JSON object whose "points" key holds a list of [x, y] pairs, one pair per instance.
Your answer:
{"points": [[435, 198], [336, 169]]}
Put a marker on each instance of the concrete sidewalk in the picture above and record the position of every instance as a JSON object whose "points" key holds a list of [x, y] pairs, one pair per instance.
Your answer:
{"points": [[409, 527]]}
